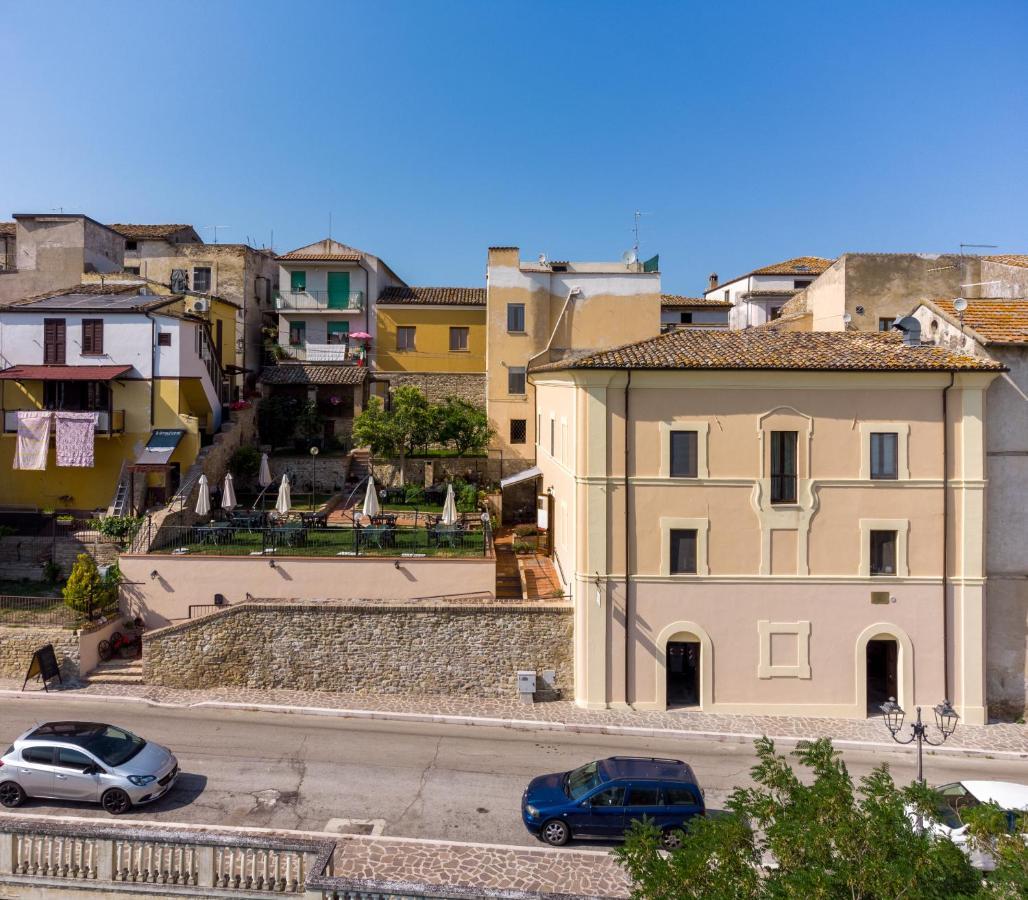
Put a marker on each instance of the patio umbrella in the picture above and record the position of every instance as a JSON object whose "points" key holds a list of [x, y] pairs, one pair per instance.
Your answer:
{"points": [[284, 501], [371, 499], [203, 497], [360, 335], [449, 508], [228, 493], [264, 476]]}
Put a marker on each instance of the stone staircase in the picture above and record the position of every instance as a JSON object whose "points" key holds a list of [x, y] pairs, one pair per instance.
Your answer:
{"points": [[118, 671], [508, 576], [360, 464]]}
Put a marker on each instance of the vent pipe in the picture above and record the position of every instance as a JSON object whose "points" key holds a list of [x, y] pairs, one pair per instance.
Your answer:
{"points": [[911, 329]]}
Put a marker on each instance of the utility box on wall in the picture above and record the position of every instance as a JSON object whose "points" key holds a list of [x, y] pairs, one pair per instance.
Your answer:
{"points": [[526, 686]]}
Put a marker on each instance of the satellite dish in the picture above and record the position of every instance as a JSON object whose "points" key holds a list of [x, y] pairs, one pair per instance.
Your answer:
{"points": [[960, 304], [629, 258], [542, 259]]}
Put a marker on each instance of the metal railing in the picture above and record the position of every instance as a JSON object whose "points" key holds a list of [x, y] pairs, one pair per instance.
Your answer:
{"points": [[112, 422], [15, 610], [308, 352], [267, 538], [320, 300]]}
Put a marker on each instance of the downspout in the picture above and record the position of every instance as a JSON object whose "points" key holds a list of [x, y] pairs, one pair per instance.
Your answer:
{"points": [[628, 538], [575, 291], [153, 363], [945, 535]]}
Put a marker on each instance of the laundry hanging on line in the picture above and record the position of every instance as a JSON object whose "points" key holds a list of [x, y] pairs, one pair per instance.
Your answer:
{"points": [[76, 436], [33, 439]]}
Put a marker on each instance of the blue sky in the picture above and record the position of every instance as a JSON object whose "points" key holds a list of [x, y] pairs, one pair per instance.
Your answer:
{"points": [[749, 132]]}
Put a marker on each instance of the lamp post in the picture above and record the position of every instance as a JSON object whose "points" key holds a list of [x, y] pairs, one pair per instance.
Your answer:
{"points": [[314, 473], [945, 720]]}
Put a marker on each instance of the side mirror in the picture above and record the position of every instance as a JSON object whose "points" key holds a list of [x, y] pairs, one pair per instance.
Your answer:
{"points": [[92, 770]]}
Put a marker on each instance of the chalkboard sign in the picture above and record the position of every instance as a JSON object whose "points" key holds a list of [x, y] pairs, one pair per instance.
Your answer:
{"points": [[44, 666]]}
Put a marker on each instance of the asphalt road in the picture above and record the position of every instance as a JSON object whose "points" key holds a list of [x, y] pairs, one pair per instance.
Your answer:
{"points": [[429, 781]]}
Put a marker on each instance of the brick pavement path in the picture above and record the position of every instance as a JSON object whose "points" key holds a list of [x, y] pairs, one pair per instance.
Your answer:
{"points": [[563, 713]]}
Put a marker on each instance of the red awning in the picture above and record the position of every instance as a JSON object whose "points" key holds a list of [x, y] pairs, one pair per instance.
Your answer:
{"points": [[63, 373]]}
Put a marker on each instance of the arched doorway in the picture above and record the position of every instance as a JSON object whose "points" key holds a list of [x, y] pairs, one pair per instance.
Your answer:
{"points": [[683, 673], [882, 672]]}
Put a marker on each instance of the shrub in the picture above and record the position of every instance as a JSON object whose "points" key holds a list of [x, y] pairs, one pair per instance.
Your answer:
{"points": [[522, 547], [119, 528], [245, 462], [525, 530], [414, 494], [465, 495], [276, 419], [51, 572], [87, 590], [7, 530]]}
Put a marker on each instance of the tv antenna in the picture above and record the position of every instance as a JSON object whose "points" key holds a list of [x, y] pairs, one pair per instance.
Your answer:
{"points": [[215, 228], [978, 246], [635, 230]]}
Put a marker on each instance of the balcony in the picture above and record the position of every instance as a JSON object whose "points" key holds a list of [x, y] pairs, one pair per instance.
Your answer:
{"points": [[319, 301], [320, 353], [108, 423]]}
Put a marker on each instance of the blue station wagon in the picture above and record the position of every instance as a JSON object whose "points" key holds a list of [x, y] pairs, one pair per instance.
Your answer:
{"points": [[602, 799]]}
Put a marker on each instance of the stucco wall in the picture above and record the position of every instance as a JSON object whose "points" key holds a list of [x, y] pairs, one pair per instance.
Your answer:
{"points": [[365, 647], [185, 580]]}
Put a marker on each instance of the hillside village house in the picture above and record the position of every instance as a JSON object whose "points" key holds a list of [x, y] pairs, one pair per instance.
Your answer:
{"points": [[175, 255], [798, 523], [433, 338], [141, 362], [997, 329], [758, 296], [7, 245], [540, 311], [677, 312]]}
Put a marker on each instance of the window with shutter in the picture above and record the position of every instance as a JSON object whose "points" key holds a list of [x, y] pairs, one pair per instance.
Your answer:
{"points": [[92, 337], [54, 342]]}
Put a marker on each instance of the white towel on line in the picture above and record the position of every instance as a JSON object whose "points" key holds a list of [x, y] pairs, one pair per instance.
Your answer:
{"points": [[33, 439]]}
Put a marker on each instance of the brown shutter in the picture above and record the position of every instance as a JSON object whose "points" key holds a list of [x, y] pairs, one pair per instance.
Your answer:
{"points": [[93, 336], [53, 342]]}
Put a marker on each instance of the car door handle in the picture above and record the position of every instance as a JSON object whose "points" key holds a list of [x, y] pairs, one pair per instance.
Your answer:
{"points": [[62, 776]]}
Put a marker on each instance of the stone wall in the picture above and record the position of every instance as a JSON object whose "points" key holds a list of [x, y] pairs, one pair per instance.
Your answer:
{"points": [[330, 472], [483, 470], [366, 647], [18, 643], [23, 557], [440, 385]]}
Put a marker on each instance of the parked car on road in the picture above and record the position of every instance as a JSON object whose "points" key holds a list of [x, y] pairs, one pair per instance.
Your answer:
{"points": [[602, 799], [86, 761], [960, 796]]}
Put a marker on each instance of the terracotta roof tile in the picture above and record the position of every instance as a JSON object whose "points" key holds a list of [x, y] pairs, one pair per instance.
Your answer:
{"points": [[7, 229], [325, 373], [326, 250], [995, 321], [148, 232], [677, 300], [1010, 259], [433, 296], [750, 349], [798, 265]]}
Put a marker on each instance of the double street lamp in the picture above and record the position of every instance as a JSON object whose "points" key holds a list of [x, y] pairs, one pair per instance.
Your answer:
{"points": [[945, 720]]}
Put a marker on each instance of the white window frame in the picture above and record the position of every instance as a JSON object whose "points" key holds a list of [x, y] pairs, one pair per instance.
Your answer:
{"points": [[701, 527], [902, 529], [902, 431], [702, 429]]}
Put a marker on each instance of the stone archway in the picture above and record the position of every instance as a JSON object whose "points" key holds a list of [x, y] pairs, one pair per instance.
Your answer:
{"points": [[884, 631], [681, 632]]}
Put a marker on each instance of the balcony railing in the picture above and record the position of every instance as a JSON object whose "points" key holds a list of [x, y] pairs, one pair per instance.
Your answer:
{"points": [[336, 353], [107, 422], [319, 300]]}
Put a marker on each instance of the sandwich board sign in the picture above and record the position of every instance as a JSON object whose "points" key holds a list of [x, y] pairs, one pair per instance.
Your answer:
{"points": [[44, 666]]}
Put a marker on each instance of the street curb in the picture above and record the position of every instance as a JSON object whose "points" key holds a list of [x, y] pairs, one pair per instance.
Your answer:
{"points": [[514, 724]]}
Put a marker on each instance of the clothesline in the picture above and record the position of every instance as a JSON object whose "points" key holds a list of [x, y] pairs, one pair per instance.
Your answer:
{"points": [[76, 437]]}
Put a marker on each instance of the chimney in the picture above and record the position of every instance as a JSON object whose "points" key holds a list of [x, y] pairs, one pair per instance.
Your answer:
{"points": [[712, 281], [911, 329]]}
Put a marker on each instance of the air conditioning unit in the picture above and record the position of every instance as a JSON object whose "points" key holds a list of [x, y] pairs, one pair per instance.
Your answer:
{"points": [[199, 305]]}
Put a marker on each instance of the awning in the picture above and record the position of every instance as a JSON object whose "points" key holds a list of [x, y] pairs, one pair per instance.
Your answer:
{"points": [[159, 448], [63, 373], [527, 475]]}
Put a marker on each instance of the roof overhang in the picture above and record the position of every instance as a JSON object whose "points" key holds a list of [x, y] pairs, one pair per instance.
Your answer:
{"points": [[527, 475], [158, 450], [63, 373]]}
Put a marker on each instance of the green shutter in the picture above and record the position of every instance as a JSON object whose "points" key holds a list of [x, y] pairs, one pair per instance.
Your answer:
{"points": [[297, 334], [297, 281], [338, 290], [339, 331]]}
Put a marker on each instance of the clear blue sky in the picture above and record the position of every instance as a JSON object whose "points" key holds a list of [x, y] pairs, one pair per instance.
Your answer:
{"points": [[750, 132]]}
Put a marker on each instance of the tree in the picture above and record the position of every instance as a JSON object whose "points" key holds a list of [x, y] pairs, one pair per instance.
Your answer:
{"points": [[374, 428], [414, 423], [276, 419], [826, 840], [310, 424], [991, 831], [87, 590], [245, 462], [464, 425]]}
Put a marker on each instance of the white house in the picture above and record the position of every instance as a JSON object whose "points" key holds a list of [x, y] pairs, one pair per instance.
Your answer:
{"points": [[758, 296]]}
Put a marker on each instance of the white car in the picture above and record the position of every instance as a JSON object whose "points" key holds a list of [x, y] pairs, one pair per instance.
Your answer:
{"points": [[962, 795]]}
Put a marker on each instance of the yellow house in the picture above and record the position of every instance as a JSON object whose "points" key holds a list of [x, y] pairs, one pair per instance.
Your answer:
{"points": [[146, 366], [433, 338]]}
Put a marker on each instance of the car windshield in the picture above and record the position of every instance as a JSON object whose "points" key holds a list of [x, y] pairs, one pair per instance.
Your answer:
{"points": [[954, 799], [582, 780], [114, 746]]}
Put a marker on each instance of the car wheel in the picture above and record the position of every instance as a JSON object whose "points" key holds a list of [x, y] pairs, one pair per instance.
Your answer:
{"points": [[555, 833], [11, 794], [671, 840], [115, 801]]}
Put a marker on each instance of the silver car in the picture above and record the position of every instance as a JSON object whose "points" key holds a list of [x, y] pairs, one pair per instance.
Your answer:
{"points": [[86, 761]]}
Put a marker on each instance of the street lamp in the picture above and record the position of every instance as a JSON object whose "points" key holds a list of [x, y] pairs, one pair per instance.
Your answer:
{"points": [[314, 473], [945, 720]]}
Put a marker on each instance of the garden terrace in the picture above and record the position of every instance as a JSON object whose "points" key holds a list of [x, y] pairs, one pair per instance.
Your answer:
{"points": [[298, 540]]}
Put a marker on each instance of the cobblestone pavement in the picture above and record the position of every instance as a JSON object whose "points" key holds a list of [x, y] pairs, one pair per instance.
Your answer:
{"points": [[563, 713], [578, 873]]}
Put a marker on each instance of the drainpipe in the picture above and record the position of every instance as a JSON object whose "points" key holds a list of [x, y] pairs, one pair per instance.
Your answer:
{"points": [[628, 538], [575, 291], [153, 363], [945, 535]]}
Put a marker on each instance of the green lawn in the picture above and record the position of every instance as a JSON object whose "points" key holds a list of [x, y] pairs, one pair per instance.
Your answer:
{"points": [[300, 500], [328, 542]]}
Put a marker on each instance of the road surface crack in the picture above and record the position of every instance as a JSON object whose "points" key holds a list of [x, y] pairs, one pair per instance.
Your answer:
{"points": [[425, 775]]}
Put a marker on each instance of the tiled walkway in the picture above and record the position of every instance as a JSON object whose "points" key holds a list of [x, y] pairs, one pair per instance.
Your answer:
{"points": [[559, 714]]}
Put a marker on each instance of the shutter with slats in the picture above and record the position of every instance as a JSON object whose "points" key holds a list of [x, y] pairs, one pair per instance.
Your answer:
{"points": [[53, 342]]}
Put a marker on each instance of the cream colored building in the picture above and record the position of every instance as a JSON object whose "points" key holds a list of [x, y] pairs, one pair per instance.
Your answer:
{"points": [[798, 526], [538, 312]]}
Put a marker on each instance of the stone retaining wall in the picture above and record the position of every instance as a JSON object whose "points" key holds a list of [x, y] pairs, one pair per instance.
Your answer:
{"points": [[17, 644], [366, 647], [24, 557], [438, 386]]}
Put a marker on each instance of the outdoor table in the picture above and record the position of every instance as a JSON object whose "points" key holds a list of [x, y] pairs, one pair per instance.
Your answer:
{"points": [[446, 534], [215, 533], [288, 535]]}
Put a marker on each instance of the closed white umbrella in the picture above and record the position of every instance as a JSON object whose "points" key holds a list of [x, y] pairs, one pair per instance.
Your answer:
{"points": [[203, 497], [449, 508], [371, 499], [284, 502], [264, 476], [228, 493]]}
